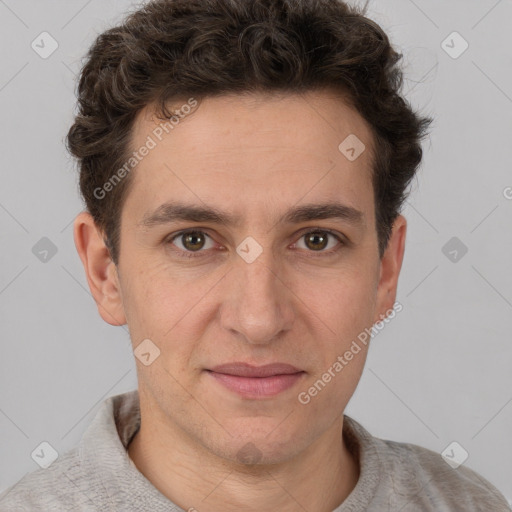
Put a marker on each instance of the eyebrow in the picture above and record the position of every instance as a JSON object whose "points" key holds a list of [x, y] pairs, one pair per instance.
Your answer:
{"points": [[176, 211]]}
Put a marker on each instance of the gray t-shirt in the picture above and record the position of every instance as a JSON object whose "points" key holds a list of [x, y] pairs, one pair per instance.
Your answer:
{"points": [[98, 475]]}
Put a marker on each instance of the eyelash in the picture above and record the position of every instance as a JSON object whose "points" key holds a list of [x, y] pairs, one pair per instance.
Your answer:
{"points": [[192, 254]]}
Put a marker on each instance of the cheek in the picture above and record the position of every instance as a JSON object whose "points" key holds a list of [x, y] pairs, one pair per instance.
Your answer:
{"points": [[151, 299], [345, 308], [170, 311], [343, 302], [326, 394]]}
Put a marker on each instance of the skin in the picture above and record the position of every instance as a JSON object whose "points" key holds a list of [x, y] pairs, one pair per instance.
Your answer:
{"points": [[254, 156]]}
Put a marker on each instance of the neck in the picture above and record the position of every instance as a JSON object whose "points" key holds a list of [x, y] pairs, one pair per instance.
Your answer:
{"points": [[319, 478]]}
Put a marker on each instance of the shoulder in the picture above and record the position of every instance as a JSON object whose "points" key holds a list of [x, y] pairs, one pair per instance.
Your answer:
{"points": [[425, 477], [61, 486], [460, 487], [416, 478], [95, 475]]}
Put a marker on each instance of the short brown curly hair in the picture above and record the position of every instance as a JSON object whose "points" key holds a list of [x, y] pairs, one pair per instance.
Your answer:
{"points": [[169, 49]]}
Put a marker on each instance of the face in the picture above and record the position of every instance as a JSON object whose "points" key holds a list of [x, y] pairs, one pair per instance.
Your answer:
{"points": [[281, 265]]}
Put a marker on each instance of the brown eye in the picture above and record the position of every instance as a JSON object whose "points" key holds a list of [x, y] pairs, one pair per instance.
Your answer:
{"points": [[191, 241], [316, 240], [320, 239]]}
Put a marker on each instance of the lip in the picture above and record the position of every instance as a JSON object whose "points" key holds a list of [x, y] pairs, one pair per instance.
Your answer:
{"points": [[248, 370], [256, 382]]}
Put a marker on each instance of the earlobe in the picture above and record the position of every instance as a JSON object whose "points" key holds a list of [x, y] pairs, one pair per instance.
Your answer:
{"points": [[390, 266], [99, 268]]}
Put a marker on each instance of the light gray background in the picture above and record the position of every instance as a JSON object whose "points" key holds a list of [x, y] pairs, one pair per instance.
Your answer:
{"points": [[440, 372]]}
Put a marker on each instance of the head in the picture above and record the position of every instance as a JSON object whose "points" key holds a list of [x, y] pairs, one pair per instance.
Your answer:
{"points": [[274, 133]]}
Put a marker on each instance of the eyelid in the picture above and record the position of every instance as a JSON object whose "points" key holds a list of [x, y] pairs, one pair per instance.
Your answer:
{"points": [[338, 236], [310, 229], [170, 240]]}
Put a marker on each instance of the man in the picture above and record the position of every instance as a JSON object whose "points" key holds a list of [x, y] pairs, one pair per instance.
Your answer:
{"points": [[243, 165]]}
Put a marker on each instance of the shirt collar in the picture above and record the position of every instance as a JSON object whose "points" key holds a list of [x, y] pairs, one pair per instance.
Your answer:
{"points": [[103, 455]]}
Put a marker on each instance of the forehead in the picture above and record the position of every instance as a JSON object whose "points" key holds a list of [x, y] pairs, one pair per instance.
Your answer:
{"points": [[254, 149], [312, 120]]}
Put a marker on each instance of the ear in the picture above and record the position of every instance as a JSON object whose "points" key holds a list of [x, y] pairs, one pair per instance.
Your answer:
{"points": [[390, 266], [100, 270]]}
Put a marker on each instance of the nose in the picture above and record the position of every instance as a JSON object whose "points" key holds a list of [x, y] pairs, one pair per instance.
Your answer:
{"points": [[257, 305]]}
